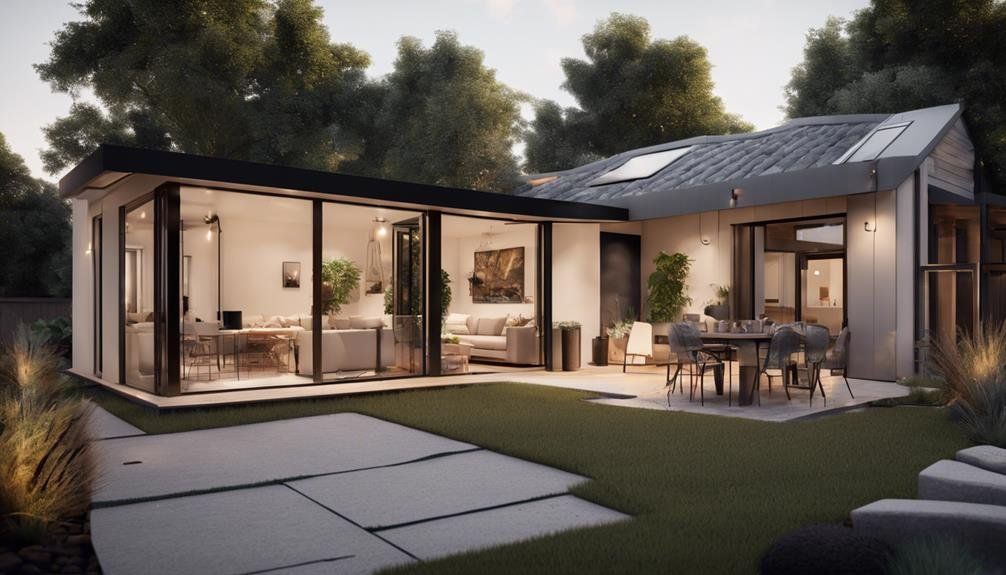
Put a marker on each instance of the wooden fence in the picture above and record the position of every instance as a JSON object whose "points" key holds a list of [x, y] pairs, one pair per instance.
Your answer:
{"points": [[16, 310]]}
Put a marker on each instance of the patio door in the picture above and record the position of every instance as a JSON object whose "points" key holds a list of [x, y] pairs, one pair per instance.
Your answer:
{"points": [[821, 290]]}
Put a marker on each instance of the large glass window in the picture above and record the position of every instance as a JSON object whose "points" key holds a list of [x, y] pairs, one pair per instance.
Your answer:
{"points": [[246, 290], [372, 293], [96, 291], [491, 319], [138, 296]]}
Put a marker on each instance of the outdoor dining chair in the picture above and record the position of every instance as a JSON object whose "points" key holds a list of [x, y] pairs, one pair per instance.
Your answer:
{"points": [[687, 348], [815, 346], [837, 358], [785, 344], [640, 344]]}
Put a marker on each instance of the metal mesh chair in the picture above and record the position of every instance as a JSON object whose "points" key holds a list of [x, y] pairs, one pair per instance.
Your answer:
{"points": [[785, 343], [837, 358], [686, 347], [815, 340]]}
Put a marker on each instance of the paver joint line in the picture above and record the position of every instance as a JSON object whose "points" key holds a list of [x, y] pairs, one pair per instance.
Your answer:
{"points": [[303, 564], [348, 520], [379, 528], [280, 481]]}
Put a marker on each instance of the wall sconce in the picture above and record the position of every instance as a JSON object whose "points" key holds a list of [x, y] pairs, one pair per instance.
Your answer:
{"points": [[87, 252], [735, 194], [817, 272], [381, 230], [704, 240], [870, 226]]}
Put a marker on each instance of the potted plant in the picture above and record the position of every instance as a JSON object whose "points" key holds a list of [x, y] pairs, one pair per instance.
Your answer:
{"points": [[569, 335], [618, 333], [339, 277], [719, 308], [667, 294]]}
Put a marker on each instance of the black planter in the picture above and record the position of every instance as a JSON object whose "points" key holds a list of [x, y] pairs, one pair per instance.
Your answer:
{"points": [[570, 348], [599, 351]]}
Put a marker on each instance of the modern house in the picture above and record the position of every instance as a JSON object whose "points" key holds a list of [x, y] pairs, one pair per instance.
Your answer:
{"points": [[196, 274]]}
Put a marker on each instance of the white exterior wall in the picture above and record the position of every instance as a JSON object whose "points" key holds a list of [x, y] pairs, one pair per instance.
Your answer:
{"points": [[82, 314], [576, 275]]}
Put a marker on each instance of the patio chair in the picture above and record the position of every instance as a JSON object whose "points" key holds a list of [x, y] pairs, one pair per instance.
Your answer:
{"points": [[687, 348], [640, 344], [815, 342], [785, 343], [837, 358]]}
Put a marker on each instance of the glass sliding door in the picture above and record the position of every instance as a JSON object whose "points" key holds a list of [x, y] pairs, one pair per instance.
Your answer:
{"points": [[372, 294]]}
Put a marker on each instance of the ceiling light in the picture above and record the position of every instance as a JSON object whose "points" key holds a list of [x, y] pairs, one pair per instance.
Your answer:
{"points": [[817, 272]]}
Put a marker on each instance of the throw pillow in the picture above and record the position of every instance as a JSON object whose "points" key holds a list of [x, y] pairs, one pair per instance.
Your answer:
{"points": [[491, 325]]}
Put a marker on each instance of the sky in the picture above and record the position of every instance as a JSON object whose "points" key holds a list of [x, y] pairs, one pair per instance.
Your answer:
{"points": [[752, 45]]}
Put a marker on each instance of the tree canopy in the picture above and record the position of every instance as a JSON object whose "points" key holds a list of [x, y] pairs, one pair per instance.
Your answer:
{"points": [[34, 232], [244, 79], [896, 55], [441, 117], [631, 91]]}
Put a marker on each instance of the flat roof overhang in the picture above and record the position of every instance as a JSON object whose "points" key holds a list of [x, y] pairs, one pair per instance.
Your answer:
{"points": [[110, 164]]}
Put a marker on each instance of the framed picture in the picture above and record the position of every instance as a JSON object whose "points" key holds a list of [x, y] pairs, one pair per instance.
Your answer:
{"points": [[291, 274], [498, 276]]}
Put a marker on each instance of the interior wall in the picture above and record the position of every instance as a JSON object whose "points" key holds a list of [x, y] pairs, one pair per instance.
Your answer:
{"points": [[576, 271], [458, 260]]}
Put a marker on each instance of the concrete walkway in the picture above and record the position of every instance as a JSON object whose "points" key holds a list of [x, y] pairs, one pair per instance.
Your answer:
{"points": [[343, 493]]}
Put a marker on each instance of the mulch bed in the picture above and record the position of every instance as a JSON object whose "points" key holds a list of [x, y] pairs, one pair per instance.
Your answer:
{"points": [[68, 550]]}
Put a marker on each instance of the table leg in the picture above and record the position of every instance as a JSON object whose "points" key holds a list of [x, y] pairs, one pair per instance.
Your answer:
{"points": [[747, 358]]}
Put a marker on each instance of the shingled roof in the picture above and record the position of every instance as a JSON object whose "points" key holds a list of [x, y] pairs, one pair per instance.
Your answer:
{"points": [[802, 159], [796, 145]]}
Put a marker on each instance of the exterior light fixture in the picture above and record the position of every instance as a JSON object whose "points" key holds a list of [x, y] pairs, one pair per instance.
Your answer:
{"points": [[817, 272], [704, 240], [87, 252], [735, 194], [870, 226], [381, 230]]}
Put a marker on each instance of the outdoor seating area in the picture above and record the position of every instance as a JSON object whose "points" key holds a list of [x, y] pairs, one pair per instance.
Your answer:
{"points": [[797, 354]]}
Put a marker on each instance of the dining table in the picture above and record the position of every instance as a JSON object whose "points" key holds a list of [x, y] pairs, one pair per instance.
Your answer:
{"points": [[748, 345]]}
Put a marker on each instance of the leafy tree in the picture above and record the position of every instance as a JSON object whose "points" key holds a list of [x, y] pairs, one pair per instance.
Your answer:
{"points": [[34, 232], [443, 118], [632, 91], [902, 54], [244, 79]]}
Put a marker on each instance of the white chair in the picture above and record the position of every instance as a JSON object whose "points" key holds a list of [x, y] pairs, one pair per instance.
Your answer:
{"points": [[640, 343]]}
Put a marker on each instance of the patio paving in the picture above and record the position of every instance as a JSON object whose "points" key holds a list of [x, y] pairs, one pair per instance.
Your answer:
{"points": [[335, 480], [644, 387], [244, 455]]}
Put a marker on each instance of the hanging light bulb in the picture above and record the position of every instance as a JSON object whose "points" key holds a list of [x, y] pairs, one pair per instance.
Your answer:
{"points": [[209, 234], [143, 215]]}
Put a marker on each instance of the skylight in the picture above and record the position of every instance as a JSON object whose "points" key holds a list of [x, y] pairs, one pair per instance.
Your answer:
{"points": [[640, 167], [874, 144]]}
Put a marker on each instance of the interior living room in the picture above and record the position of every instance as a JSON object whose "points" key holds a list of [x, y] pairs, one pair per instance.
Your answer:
{"points": [[247, 260], [490, 310]]}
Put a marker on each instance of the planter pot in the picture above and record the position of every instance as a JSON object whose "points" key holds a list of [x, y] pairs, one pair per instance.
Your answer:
{"points": [[570, 349], [718, 312], [660, 330], [616, 349], [599, 349]]}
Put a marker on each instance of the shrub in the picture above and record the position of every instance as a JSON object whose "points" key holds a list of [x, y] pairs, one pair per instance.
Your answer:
{"points": [[46, 466], [823, 550], [58, 332], [974, 371], [935, 556]]}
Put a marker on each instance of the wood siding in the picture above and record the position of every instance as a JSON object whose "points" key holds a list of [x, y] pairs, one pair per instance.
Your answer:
{"points": [[953, 162]]}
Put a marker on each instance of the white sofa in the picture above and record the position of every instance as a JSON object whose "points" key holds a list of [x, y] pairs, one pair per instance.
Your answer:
{"points": [[346, 350], [491, 339], [140, 355]]}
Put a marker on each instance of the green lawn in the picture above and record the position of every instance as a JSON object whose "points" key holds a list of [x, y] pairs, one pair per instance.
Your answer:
{"points": [[708, 493]]}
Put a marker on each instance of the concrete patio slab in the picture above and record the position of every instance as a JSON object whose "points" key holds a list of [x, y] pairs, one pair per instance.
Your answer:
{"points": [[239, 531], [104, 425], [483, 529], [161, 465], [423, 490], [988, 457], [948, 480]]}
